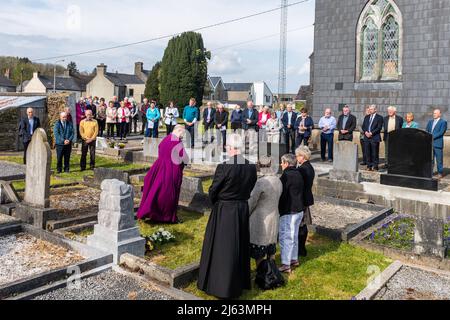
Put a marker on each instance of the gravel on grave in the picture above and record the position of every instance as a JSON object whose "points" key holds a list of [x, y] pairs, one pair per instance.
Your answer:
{"points": [[337, 217], [23, 256], [108, 285], [415, 284], [8, 169]]}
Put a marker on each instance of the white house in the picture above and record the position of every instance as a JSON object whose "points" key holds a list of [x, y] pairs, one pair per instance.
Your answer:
{"points": [[261, 94]]}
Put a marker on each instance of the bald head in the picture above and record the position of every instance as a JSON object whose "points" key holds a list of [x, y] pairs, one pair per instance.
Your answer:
{"points": [[437, 114], [88, 114], [63, 116]]}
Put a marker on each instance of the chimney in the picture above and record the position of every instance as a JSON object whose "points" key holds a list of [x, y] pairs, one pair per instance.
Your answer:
{"points": [[138, 68], [101, 69], [8, 73], [67, 74], [36, 74]]}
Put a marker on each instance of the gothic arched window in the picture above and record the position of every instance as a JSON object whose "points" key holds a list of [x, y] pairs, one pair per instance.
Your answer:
{"points": [[379, 41]]}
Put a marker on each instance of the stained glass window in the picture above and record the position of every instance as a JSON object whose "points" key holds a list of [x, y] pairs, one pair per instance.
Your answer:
{"points": [[369, 50], [390, 48]]}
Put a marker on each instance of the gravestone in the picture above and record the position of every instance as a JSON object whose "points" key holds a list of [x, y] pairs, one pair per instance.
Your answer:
{"points": [[429, 237], [151, 147], [101, 143], [35, 207], [410, 160], [272, 152], [345, 162], [116, 231], [101, 174]]}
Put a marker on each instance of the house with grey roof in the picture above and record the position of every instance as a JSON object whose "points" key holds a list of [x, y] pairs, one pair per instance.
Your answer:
{"points": [[108, 84], [215, 89], [6, 85], [258, 92], [69, 83]]}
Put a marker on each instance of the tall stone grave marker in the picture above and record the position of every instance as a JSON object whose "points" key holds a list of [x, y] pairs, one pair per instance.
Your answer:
{"points": [[151, 147], [410, 160], [345, 163], [35, 207], [116, 231]]}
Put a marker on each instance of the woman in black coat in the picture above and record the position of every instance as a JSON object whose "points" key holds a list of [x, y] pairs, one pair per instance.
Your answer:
{"points": [[225, 262], [303, 155]]}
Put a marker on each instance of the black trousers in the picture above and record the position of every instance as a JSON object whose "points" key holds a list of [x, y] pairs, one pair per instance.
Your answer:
{"points": [[122, 130], [101, 127], [191, 130], [372, 153], [301, 139], [144, 124], [169, 128], [110, 130], [85, 147], [363, 148], [208, 132], [326, 140], [25, 148], [63, 152], [222, 137], [290, 140]]}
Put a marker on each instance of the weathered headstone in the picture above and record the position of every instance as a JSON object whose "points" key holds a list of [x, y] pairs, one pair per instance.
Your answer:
{"points": [[101, 143], [101, 174], [429, 237], [116, 230], [410, 160], [345, 162], [37, 180], [35, 207], [151, 147]]}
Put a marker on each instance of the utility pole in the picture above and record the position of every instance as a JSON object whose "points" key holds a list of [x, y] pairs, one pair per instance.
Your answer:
{"points": [[283, 50]]}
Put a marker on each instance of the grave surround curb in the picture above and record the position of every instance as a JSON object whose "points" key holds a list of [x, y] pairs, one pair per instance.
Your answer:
{"points": [[94, 259]]}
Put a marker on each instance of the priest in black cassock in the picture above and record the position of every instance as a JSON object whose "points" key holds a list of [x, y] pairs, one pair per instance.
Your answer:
{"points": [[225, 262]]}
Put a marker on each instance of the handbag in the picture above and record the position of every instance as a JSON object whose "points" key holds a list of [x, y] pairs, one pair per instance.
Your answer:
{"points": [[268, 276]]}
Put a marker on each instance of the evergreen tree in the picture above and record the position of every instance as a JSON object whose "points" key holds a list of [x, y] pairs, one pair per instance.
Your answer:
{"points": [[184, 69], [72, 67], [152, 87]]}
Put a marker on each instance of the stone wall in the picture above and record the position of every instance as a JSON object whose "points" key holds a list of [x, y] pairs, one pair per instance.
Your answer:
{"points": [[426, 60]]}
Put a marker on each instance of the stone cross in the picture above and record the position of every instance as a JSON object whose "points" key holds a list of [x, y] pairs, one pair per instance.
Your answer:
{"points": [[37, 180], [116, 231], [345, 163]]}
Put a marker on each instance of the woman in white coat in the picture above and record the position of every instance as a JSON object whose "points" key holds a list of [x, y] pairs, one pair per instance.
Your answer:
{"points": [[171, 115]]}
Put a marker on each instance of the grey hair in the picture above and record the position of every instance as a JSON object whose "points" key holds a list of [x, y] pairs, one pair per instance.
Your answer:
{"points": [[392, 108], [235, 141], [303, 151], [289, 159], [62, 114]]}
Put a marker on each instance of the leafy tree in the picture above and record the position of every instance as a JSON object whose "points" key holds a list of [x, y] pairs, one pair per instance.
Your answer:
{"points": [[72, 67], [184, 69], [152, 87]]}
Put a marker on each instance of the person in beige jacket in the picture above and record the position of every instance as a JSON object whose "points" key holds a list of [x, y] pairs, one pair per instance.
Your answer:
{"points": [[264, 216]]}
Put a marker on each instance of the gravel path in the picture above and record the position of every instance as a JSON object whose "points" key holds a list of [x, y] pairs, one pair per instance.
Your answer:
{"points": [[416, 284], [337, 217], [109, 285], [22, 256]]}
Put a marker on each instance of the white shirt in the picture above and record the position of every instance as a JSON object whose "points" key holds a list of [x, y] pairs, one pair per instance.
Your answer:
{"points": [[435, 124], [171, 121]]}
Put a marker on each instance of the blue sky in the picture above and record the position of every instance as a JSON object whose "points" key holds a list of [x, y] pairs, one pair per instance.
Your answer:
{"points": [[44, 28]]}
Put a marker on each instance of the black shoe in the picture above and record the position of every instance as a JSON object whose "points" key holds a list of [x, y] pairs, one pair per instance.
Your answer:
{"points": [[363, 164], [376, 169], [369, 169], [66, 171], [58, 172]]}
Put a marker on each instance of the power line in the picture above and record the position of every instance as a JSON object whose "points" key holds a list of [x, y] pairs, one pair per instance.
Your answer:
{"points": [[171, 35], [259, 39]]}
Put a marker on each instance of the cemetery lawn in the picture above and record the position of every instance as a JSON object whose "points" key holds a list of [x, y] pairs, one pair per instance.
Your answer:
{"points": [[332, 271], [186, 248], [76, 175]]}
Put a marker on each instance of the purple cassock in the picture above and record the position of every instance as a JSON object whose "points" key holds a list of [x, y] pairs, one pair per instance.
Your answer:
{"points": [[162, 183]]}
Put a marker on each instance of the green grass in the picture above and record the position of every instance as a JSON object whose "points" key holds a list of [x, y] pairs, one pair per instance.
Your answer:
{"points": [[188, 242], [206, 185], [76, 175], [332, 271]]}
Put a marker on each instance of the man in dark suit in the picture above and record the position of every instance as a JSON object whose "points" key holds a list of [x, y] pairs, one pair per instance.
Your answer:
{"points": [[289, 119], [64, 135], [372, 126], [250, 117], [27, 127], [221, 125], [346, 125], [438, 127], [209, 115], [391, 123]]}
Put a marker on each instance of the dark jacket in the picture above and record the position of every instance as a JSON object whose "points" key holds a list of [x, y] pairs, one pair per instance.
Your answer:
{"points": [[205, 116], [24, 128], [292, 198], [377, 126], [221, 118], [285, 119], [234, 180], [236, 116], [309, 124], [438, 133], [398, 125], [350, 126], [308, 174], [62, 135], [254, 119]]}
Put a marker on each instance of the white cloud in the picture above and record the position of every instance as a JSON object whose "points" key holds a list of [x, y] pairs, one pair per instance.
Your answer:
{"points": [[305, 69], [225, 63]]}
